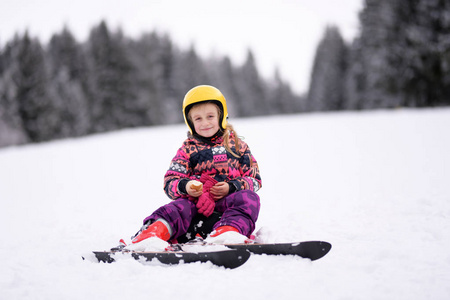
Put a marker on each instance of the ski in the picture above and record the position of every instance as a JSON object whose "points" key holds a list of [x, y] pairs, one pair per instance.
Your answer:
{"points": [[308, 249], [228, 258], [235, 256]]}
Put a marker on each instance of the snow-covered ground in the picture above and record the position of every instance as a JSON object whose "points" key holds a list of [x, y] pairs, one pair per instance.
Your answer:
{"points": [[376, 185]]}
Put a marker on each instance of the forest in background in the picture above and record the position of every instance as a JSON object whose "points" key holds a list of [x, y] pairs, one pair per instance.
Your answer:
{"points": [[401, 58], [67, 88]]}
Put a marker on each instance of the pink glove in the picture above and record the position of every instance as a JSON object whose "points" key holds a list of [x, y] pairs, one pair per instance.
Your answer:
{"points": [[208, 182], [206, 203]]}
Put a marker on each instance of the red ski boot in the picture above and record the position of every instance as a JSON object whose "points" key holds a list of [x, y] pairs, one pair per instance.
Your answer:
{"points": [[157, 229], [226, 235]]}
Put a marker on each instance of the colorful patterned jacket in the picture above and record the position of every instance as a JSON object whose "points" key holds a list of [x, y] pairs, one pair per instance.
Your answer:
{"points": [[197, 156]]}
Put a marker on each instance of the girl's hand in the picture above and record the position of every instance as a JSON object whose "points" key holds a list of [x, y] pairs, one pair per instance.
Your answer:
{"points": [[219, 190], [194, 188]]}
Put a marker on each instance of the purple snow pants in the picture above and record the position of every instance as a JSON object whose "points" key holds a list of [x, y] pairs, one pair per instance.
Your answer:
{"points": [[239, 209]]}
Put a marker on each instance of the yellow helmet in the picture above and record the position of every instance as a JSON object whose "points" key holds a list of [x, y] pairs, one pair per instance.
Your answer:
{"points": [[204, 93]]}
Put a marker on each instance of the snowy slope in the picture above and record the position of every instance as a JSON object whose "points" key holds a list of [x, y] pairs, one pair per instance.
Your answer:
{"points": [[375, 185]]}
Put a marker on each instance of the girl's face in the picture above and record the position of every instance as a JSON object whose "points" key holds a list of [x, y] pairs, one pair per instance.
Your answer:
{"points": [[205, 118]]}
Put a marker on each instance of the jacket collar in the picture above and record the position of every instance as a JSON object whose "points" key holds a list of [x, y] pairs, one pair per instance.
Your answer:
{"points": [[213, 140]]}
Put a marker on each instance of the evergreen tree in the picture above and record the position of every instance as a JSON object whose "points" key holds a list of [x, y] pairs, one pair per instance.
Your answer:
{"points": [[11, 127], [378, 34], [327, 79], [354, 79], [283, 100], [190, 71], [401, 57], [251, 87], [115, 102], [169, 97], [36, 106], [420, 56], [69, 79], [145, 56]]}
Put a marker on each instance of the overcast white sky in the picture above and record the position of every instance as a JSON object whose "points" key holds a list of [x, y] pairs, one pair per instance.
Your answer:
{"points": [[281, 33]]}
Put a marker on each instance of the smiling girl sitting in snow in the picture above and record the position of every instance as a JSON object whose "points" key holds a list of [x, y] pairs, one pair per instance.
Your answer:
{"points": [[212, 171]]}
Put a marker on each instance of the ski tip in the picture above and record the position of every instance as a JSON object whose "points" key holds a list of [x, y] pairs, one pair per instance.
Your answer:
{"points": [[318, 249], [241, 258], [89, 257]]}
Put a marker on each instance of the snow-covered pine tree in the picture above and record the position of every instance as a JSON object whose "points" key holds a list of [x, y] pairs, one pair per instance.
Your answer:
{"points": [[421, 52], [252, 89], [115, 102], [328, 73], [283, 100], [145, 55], [69, 81], [190, 71], [11, 127], [168, 95], [36, 105], [401, 57]]}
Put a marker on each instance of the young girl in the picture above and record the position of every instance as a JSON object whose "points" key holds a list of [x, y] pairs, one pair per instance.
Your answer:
{"points": [[212, 171]]}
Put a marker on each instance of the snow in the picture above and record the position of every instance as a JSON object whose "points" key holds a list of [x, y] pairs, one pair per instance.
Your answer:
{"points": [[374, 184]]}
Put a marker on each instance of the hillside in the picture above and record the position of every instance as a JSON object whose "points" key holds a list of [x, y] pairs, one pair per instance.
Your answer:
{"points": [[375, 185]]}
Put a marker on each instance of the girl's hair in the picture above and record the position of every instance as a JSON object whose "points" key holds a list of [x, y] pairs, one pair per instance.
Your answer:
{"points": [[226, 133], [226, 140]]}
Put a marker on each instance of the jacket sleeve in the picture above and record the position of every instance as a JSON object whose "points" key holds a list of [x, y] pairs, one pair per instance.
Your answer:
{"points": [[179, 170], [249, 178]]}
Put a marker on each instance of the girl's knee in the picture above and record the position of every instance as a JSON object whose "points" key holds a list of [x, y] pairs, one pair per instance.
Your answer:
{"points": [[182, 203], [250, 195], [248, 198]]}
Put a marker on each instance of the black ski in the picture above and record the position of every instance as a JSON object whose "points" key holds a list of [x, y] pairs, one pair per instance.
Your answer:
{"points": [[310, 249], [229, 259]]}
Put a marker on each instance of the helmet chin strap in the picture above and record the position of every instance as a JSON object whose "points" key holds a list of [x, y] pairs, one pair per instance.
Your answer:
{"points": [[208, 140]]}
